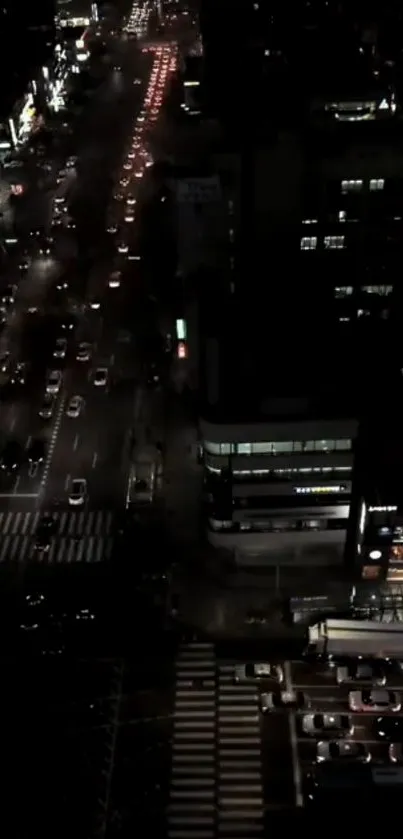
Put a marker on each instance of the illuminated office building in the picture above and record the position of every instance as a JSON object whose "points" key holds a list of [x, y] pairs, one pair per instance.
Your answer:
{"points": [[299, 337], [75, 13]]}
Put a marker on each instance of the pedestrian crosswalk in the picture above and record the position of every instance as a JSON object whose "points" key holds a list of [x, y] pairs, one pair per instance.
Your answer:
{"points": [[78, 537], [191, 812], [240, 804], [216, 787]]}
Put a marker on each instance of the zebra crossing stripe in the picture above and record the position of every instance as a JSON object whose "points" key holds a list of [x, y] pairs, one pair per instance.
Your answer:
{"points": [[240, 801], [84, 537]]}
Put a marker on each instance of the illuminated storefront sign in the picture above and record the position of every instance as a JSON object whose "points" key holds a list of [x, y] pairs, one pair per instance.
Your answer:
{"points": [[74, 21], [385, 509], [319, 490]]}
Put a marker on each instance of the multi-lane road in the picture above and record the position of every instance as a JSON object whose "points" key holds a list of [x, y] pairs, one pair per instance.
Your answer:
{"points": [[95, 445]]}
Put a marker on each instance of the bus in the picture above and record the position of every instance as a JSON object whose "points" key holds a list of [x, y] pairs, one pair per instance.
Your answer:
{"points": [[334, 638]]}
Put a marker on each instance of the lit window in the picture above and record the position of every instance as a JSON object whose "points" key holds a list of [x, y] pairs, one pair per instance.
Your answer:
{"points": [[343, 291], [381, 290], [309, 243], [309, 221], [334, 242], [342, 215], [376, 184], [351, 186]]}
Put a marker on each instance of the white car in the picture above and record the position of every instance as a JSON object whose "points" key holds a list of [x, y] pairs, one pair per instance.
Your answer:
{"points": [[129, 217], [130, 200], [123, 247], [334, 725], [60, 348], [53, 381], [252, 670], [100, 377], [112, 227], [83, 351], [74, 407], [374, 701], [124, 182], [114, 279], [78, 492], [361, 671]]}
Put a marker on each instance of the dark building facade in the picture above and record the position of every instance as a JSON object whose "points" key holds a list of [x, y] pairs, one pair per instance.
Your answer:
{"points": [[27, 40]]}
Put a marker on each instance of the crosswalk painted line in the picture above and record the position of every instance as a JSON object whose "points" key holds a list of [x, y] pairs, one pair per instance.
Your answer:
{"points": [[191, 810], [69, 523], [240, 801], [61, 550], [79, 537]]}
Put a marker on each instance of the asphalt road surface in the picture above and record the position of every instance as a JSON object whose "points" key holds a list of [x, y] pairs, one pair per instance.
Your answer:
{"points": [[94, 445]]}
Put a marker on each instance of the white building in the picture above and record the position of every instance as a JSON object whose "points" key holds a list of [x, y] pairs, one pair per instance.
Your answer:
{"points": [[289, 487], [278, 467]]}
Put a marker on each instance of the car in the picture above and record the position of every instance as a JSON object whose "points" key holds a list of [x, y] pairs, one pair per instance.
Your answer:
{"points": [[100, 377], [283, 700], [114, 279], [20, 373], [129, 217], [12, 456], [61, 284], [343, 750], [389, 728], [83, 351], [74, 407], [77, 492], [45, 246], [60, 348], [124, 182], [374, 700], [253, 670], [361, 671], [24, 264], [69, 223], [94, 304], [130, 200], [68, 323], [5, 361], [112, 227], [53, 381], [44, 533], [36, 451], [123, 247], [118, 196], [332, 725], [8, 295], [47, 407], [127, 166]]}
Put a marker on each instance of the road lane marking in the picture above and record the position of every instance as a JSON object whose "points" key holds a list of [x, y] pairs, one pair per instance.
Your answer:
{"points": [[299, 801], [94, 460], [33, 468], [13, 422], [16, 485], [19, 494], [52, 443], [76, 442], [67, 483], [28, 443]]}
